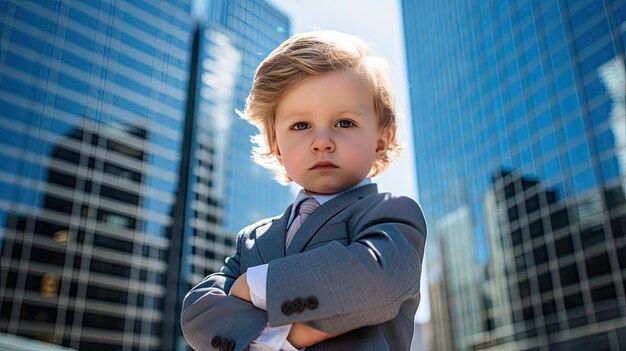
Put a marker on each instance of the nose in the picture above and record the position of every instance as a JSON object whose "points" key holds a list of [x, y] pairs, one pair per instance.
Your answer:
{"points": [[322, 142]]}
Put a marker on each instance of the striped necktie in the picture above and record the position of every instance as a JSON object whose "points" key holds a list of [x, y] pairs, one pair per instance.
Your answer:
{"points": [[304, 211]]}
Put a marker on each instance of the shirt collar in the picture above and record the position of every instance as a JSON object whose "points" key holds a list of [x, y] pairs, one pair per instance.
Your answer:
{"points": [[322, 199]]}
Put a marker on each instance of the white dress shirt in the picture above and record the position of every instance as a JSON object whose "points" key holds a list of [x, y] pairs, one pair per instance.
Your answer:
{"points": [[275, 338]]}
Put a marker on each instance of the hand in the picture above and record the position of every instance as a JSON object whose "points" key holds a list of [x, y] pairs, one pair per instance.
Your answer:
{"points": [[241, 289], [301, 336]]}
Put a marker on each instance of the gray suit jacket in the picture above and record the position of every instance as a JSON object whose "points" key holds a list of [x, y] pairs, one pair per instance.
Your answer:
{"points": [[353, 267]]}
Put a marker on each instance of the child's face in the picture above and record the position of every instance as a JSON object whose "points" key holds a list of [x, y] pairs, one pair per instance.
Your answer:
{"points": [[327, 133]]}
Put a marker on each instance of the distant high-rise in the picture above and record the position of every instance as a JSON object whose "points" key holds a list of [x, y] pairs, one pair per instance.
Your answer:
{"points": [[254, 29], [221, 189], [520, 137], [92, 102], [226, 189], [125, 172]]}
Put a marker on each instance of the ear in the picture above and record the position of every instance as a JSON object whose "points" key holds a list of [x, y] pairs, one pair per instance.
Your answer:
{"points": [[276, 152], [382, 144]]}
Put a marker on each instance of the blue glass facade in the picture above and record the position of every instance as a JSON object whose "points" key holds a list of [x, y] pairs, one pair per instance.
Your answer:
{"points": [[121, 177], [226, 189], [520, 139], [255, 29], [92, 101]]}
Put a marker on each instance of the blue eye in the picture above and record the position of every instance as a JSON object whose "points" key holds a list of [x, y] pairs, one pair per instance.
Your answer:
{"points": [[344, 123], [300, 126]]}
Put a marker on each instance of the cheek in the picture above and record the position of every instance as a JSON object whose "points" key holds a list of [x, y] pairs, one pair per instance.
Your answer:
{"points": [[280, 145], [362, 153], [365, 146], [289, 153], [293, 165]]}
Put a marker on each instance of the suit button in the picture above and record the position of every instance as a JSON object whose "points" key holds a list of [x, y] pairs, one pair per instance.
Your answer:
{"points": [[216, 341], [311, 302], [287, 308], [231, 346], [224, 345], [299, 304]]}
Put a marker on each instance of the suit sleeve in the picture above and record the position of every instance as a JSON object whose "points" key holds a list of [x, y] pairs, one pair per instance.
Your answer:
{"points": [[363, 283], [208, 312]]}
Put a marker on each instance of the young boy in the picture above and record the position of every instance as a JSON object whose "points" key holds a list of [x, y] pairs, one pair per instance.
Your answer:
{"points": [[340, 269]]}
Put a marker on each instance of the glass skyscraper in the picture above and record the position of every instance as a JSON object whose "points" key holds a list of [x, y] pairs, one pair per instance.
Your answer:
{"points": [[254, 29], [520, 136], [92, 102], [125, 172], [226, 190]]}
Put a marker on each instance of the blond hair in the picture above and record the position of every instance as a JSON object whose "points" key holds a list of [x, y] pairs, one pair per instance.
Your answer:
{"points": [[305, 55]]}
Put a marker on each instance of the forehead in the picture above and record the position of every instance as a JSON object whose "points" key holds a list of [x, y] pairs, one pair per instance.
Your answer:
{"points": [[327, 93]]}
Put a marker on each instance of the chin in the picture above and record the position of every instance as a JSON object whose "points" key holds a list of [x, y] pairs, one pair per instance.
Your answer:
{"points": [[327, 185], [326, 190]]}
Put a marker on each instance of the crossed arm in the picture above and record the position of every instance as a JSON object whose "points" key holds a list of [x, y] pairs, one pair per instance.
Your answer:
{"points": [[300, 335], [209, 312], [365, 283]]}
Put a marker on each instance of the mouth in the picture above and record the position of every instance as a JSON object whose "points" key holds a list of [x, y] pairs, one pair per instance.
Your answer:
{"points": [[323, 165]]}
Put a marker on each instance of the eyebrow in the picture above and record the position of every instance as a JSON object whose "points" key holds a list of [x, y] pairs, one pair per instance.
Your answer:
{"points": [[352, 112], [306, 114]]}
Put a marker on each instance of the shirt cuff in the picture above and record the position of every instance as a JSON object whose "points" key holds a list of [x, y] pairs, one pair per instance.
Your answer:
{"points": [[275, 338], [257, 283], [288, 347]]}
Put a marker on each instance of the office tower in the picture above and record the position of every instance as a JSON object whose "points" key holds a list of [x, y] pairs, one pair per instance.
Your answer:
{"points": [[92, 101], [520, 137], [124, 105], [226, 187], [226, 191], [254, 29]]}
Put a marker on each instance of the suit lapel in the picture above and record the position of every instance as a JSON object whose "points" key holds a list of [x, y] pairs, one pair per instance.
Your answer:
{"points": [[325, 212], [270, 241]]}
